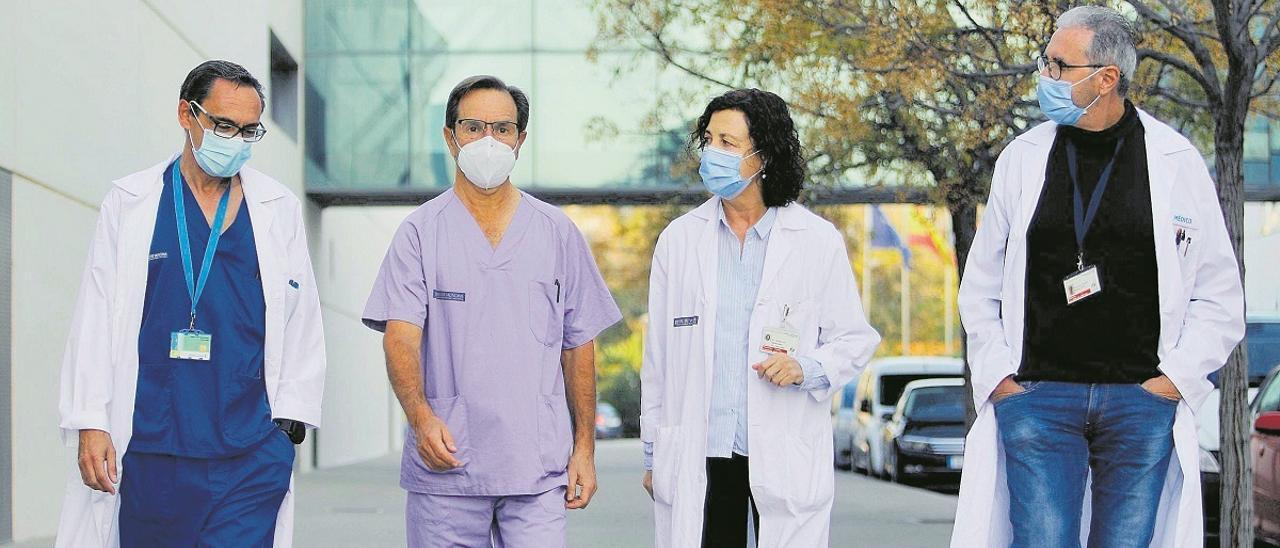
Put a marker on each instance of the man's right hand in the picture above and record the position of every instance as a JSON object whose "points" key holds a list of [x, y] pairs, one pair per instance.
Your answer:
{"points": [[97, 458], [648, 482], [435, 444], [1006, 388]]}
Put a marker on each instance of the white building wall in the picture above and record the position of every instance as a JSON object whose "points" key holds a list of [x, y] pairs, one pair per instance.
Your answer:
{"points": [[362, 418], [1262, 256]]}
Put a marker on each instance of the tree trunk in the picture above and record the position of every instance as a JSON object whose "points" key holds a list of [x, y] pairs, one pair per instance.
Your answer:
{"points": [[1236, 526], [964, 224]]}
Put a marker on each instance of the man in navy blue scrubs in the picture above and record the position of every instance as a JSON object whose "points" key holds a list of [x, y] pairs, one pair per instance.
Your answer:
{"points": [[227, 379], [206, 460]]}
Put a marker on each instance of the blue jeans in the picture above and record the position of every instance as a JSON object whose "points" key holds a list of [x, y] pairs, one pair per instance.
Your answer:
{"points": [[1056, 433]]}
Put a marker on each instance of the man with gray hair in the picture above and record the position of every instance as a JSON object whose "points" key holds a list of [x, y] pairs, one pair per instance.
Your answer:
{"points": [[1100, 293]]}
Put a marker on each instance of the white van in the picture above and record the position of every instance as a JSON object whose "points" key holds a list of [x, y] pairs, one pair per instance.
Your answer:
{"points": [[864, 406]]}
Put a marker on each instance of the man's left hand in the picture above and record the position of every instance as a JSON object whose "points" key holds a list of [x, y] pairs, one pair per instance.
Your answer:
{"points": [[1163, 387], [582, 480], [780, 369]]}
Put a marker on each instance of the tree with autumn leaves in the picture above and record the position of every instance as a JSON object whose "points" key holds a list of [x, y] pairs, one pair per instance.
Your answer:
{"points": [[925, 94]]}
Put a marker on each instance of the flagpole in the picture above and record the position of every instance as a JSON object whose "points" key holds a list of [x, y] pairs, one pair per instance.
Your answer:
{"points": [[905, 305], [949, 295], [906, 308], [866, 261]]}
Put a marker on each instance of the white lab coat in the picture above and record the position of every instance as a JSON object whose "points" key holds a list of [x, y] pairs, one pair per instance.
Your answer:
{"points": [[1201, 320], [792, 480], [100, 368]]}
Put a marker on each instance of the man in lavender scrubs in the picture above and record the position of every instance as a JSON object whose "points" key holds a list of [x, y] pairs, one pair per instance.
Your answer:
{"points": [[490, 301]]}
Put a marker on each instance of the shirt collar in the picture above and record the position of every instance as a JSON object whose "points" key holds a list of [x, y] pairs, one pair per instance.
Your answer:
{"points": [[761, 228]]}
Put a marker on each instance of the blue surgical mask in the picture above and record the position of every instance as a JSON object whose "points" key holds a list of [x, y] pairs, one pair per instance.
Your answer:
{"points": [[721, 172], [219, 156], [1056, 103]]}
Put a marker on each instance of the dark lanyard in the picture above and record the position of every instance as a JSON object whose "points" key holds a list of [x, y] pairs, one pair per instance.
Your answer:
{"points": [[195, 288], [1084, 219]]}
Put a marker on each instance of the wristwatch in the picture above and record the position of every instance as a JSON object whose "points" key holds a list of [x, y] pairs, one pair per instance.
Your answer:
{"points": [[294, 429]]}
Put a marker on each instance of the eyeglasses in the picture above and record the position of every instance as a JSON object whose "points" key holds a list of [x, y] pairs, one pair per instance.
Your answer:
{"points": [[470, 129], [1053, 67], [222, 127]]}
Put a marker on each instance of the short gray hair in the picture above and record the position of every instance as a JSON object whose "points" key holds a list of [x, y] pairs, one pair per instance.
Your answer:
{"points": [[1113, 41]]}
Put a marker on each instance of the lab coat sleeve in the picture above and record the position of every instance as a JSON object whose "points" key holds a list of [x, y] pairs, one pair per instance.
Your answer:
{"points": [[990, 358], [303, 359], [846, 341], [653, 365], [87, 378], [1214, 322]]}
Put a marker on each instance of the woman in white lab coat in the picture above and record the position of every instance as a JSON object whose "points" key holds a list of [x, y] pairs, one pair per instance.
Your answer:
{"points": [[754, 324], [100, 368], [1200, 319]]}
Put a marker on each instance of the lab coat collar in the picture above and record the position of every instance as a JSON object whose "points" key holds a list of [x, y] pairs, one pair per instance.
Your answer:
{"points": [[257, 187], [790, 217], [1160, 136]]}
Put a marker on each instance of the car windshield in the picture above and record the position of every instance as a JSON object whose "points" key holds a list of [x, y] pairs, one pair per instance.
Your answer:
{"points": [[1263, 342], [936, 404], [891, 386]]}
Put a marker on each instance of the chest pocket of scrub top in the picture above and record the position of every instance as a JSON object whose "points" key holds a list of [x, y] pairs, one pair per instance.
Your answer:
{"points": [[546, 312]]}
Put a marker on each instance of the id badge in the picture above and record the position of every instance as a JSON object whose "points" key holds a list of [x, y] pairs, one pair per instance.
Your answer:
{"points": [[1082, 284], [190, 345], [780, 340]]}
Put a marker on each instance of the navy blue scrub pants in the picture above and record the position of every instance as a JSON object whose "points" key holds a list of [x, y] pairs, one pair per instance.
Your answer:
{"points": [[177, 501]]}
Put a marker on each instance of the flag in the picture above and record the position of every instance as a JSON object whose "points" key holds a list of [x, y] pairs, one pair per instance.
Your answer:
{"points": [[883, 235], [929, 237]]}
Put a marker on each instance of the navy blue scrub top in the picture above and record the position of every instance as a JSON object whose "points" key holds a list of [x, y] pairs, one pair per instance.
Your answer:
{"points": [[202, 409]]}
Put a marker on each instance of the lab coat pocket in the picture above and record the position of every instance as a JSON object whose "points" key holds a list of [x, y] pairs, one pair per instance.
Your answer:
{"points": [[292, 291], [803, 317], [807, 488], [545, 317], [555, 436], [666, 464], [453, 411]]}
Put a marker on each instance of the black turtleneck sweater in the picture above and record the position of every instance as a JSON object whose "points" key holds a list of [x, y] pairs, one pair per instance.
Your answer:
{"points": [[1110, 337]]}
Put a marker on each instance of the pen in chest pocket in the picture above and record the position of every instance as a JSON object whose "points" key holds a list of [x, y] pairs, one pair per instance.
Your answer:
{"points": [[1183, 241]]}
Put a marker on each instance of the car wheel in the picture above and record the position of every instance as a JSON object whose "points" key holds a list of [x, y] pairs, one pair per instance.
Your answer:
{"points": [[846, 464], [859, 465], [895, 469]]}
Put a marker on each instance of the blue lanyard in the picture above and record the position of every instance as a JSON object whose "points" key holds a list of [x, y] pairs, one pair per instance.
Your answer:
{"points": [[1083, 219], [195, 288]]}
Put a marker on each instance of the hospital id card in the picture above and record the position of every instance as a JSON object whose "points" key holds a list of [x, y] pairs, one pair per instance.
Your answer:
{"points": [[190, 345], [780, 340], [1083, 284]]}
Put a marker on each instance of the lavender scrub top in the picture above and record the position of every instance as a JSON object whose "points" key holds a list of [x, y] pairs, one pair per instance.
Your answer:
{"points": [[494, 323]]}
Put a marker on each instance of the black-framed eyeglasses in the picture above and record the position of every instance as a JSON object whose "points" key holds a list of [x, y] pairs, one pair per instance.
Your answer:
{"points": [[474, 129], [224, 128], [1053, 67]]}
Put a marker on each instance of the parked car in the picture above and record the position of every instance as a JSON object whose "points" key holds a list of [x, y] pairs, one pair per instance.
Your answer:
{"points": [[608, 421], [1264, 444], [925, 438], [1262, 337], [866, 405]]}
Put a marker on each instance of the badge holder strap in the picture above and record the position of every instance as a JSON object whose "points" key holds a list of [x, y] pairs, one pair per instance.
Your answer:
{"points": [[196, 287], [1081, 218]]}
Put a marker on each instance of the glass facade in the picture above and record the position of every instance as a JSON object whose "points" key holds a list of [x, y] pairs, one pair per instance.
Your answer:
{"points": [[1262, 157], [379, 73]]}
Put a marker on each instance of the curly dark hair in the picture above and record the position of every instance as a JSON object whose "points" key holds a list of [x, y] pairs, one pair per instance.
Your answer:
{"points": [[774, 134]]}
